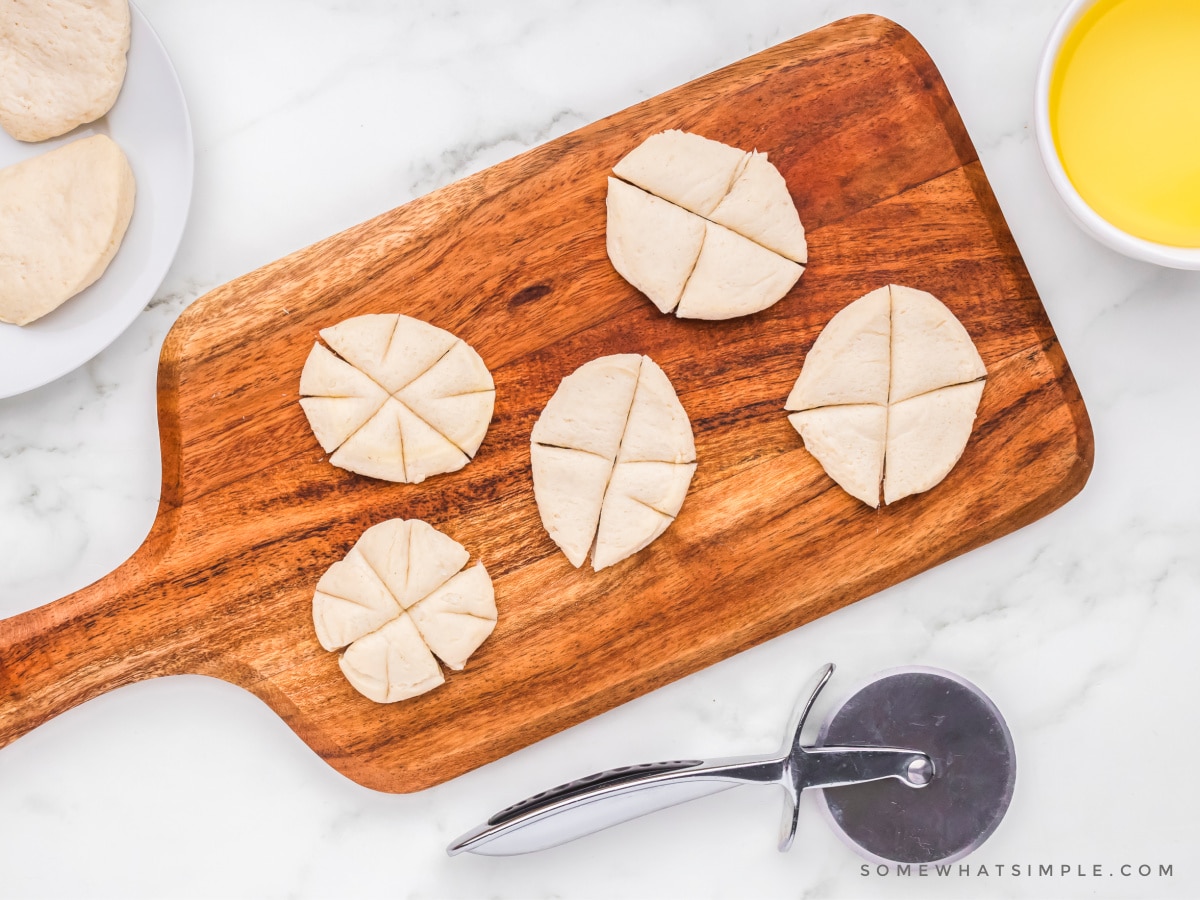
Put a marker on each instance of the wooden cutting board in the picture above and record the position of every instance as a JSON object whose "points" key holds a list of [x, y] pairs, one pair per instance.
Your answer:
{"points": [[513, 260]]}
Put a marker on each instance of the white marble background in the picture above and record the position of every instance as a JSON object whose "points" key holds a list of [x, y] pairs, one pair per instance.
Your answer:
{"points": [[311, 116]]}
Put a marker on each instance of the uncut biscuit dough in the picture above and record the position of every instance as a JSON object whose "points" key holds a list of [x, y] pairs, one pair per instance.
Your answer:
{"points": [[399, 601], [63, 216], [704, 230], [887, 396], [62, 63], [396, 398], [612, 456]]}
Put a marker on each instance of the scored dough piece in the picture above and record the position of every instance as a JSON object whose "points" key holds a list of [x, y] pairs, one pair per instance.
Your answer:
{"points": [[760, 207], [626, 527], [687, 169], [848, 442], [327, 375], [930, 347], [350, 601], [661, 486], [377, 448], [569, 486], [589, 409], [456, 396], [63, 216], [752, 245], [658, 428], [652, 244], [583, 500], [642, 499], [735, 277], [341, 399], [457, 617], [411, 557], [850, 360], [433, 558], [392, 349], [426, 451], [399, 596], [396, 445], [62, 64], [396, 398], [392, 663], [926, 436]]}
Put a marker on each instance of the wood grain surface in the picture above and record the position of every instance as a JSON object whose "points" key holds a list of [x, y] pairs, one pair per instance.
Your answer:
{"points": [[513, 260]]}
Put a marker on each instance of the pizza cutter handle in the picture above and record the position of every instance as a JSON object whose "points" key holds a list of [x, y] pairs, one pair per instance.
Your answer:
{"points": [[111, 633], [599, 801]]}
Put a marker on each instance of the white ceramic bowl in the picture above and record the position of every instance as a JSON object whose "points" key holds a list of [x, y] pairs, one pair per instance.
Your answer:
{"points": [[1091, 222]]}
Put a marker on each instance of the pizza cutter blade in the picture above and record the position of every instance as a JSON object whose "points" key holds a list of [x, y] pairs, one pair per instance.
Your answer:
{"points": [[916, 766], [964, 734]]}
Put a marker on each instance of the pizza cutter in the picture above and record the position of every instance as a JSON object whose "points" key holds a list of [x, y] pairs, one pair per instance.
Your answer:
{"points": [[917, 766]]}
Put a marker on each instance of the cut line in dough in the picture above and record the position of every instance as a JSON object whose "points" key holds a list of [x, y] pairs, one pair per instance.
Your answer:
{"points": [[612, 456]]}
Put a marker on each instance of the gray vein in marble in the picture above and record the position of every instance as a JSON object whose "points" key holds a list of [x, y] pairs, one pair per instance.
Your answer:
{"points": [[463, 159]]}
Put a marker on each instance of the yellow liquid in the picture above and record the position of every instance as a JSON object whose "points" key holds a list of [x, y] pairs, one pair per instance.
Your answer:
{"points": [[1125, 115]]}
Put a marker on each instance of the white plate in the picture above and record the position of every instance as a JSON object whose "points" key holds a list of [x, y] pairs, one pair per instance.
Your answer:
{"points": [[150, 122]]}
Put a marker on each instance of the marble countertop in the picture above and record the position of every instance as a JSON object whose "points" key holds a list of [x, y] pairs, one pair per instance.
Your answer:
{"points": [[312, 116]]}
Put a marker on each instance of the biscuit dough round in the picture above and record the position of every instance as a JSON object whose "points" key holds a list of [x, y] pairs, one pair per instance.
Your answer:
{"points": [[62, 63], [704, 230], [613, 455], [887, 396], [400, 600], [396, 398], [63, 216]]}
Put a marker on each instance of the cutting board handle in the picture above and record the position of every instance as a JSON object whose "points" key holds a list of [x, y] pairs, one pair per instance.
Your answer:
{"points": [[111, 633]]}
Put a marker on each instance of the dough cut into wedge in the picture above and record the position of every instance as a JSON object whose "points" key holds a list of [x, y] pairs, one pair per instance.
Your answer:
{"points": [[62, 63], [351, 601], [569, 486], [395, 398], [930, 347], [641, 500], [735, 277], [704, 230], [850, 360], [393, 350], [760, 207], [399, 601], [457, 617], [63, 216], [685, 169], [926, 436], [657, 428], [412, 559], [391, 664], [339, 399], [455, 396], [589, 410], [848, 442], [887, 396], [612, 457], [653, 244]]}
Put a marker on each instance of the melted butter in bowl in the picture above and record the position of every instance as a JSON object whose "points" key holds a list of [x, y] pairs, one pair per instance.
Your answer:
{"points": [[1119, 124]]}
